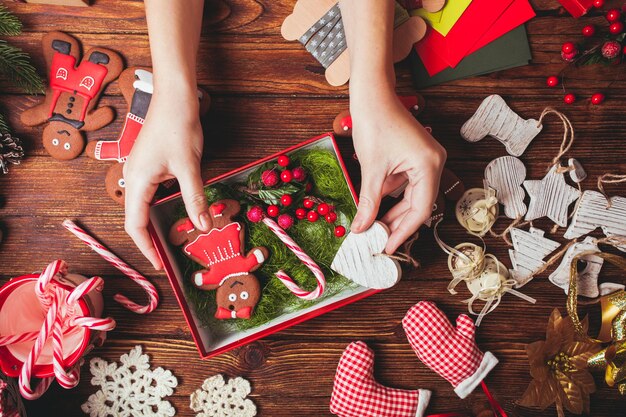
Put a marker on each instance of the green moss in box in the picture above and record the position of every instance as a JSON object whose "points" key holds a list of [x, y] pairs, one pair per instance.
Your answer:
{"points": [[317, 239]]}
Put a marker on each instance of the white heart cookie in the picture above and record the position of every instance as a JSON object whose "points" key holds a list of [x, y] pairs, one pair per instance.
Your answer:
{"points": [[360, 259]]}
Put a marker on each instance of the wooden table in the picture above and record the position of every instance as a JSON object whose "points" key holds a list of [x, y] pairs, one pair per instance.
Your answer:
{"points": [[269, 94]]}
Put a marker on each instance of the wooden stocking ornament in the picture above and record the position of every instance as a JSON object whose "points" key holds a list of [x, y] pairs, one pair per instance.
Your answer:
{"points": [[318, 26], [69, 107], [529, 250], [360, 258], [506, 175], [496, 119]]}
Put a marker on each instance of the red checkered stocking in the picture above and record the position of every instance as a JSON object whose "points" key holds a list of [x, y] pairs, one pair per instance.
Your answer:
{"points": [[357, 394], [449, 351]]}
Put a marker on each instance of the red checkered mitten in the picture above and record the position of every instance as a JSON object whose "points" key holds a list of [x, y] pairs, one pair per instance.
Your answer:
{"points": [[449, 351], [357, 394]]}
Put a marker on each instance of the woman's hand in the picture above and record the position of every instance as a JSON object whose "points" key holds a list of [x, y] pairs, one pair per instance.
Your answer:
{"points": [[394, 148], [168, 146]]}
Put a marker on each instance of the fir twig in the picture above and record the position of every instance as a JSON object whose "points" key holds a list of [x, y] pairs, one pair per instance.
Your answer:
{"points": [[15, 65], [9, 24], [4, 127]]}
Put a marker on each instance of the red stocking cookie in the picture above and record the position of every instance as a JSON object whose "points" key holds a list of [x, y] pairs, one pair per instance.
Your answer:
{"points": [[137, 88], [220, 251], [73, 92], [357, 394]]}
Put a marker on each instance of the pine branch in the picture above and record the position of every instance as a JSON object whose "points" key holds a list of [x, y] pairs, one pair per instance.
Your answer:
{"points": [[4, 127], [9, 24], [15, 65]]}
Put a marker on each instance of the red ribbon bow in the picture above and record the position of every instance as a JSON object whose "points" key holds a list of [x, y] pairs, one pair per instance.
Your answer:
{"points": [[223, 313]]}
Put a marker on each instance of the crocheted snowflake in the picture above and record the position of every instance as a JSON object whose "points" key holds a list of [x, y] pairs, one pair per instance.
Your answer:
{"points": [[131, 389], [217, 398]]}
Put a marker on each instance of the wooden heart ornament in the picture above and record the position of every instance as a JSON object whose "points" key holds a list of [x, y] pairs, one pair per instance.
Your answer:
{"points": [[360, 259]]}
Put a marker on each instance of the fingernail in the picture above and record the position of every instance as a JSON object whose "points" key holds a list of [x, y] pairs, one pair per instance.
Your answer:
{"points": [[357, 224], [204, 221]]}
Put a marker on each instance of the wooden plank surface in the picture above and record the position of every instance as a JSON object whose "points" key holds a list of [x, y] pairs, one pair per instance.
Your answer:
{"points": [[269, 94]]}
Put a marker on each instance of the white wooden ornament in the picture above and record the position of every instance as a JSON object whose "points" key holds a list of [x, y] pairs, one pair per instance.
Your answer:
{"points": [[360, 259], [506, 175], [550, 197], [592, 212], [577, 173], [496, 119], [529, 250], [588, 277]]}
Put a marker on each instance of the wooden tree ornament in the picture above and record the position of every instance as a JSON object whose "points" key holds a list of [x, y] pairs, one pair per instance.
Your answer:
{"points": [[70, 104], [593, 211], [529, 250], [506, 175], [496, 119], [550, 197], [360, 258], [318, 26]]}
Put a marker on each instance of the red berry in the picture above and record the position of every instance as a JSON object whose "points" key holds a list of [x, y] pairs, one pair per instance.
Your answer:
{"points": [[286, 176], [312, 216], [299, 174], [269, 178], [331, 208], [255, 214], [331, 217], [569, 98], [552, 81], [568, 47], [598, 4], [340, 231], [308, 203], [308, 187], [611, 49], [597, 98], [613, 15], [283, 160], [323, 209], [300, 213], [285, 221], [624, 50], [616, 28], [286, 200], [589, 30], [272, 210], [569, 57]]}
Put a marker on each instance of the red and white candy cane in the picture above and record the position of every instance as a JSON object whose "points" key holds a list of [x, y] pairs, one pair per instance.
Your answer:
{"points": [[114, 260], [304, 258], [18, 338]]}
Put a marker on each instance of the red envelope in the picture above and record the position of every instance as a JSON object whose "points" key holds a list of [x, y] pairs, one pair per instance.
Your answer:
{"points": [[471, 32]]}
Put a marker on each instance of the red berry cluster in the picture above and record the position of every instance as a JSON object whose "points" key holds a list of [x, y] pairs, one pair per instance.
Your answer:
{"points": [[316, 208]]}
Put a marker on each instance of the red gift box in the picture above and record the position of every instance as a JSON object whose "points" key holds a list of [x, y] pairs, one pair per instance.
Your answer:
{"points": [[209, 344], [577, 8]]}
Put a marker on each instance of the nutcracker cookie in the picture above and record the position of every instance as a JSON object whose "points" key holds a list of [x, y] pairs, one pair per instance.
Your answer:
{"points": [[70, 104], [137, 88], [220, 251]]}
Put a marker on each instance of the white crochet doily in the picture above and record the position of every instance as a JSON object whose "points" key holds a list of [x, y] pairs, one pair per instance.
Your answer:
{"points": [[217, 398], [131, 389]]}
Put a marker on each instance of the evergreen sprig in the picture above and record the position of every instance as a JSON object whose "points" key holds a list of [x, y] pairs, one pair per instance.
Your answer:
{"points": [[9, 24], [15, 65]]}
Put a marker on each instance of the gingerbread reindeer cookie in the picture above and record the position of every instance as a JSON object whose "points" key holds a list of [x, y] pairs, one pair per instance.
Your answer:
{"points": [[70, 104], [220, 251], [137, 88]]}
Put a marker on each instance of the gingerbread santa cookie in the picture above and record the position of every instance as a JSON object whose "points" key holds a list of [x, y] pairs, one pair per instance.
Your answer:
{"points": [[137, 88], [220, 251], [70, 104]]}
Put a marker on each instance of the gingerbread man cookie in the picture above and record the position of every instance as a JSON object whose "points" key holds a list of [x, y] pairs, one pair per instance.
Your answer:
{"points": [[220, 251], [70, 104], [137, 88]]}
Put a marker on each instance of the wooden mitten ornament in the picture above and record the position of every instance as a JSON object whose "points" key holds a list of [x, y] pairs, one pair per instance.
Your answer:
{"points": [[506, 175], [220, 251], [360, 258], [318, 26], [496, 119], [70, 104], [593, 211], [137, 88]]}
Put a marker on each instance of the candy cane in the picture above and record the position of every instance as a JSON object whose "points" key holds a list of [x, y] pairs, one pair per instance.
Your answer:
{"points": [[304, 258], [18, 338], [122, 266]]}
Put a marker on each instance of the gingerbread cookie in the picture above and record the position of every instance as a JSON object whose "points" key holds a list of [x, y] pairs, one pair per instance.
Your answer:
{"points": [[70, 104], [220, 251], [137, 88]]}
